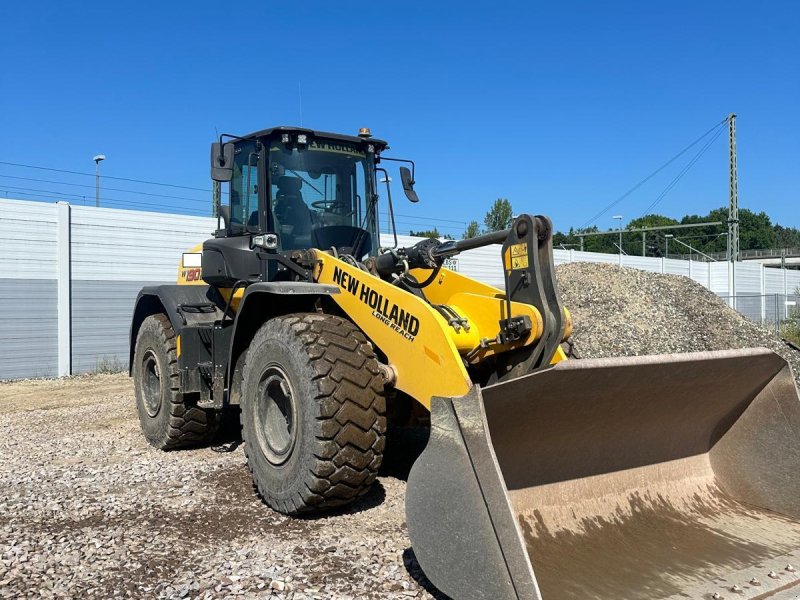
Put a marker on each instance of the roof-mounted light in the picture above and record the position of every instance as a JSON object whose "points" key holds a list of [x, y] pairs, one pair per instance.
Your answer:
{"points": [[364, 132]]}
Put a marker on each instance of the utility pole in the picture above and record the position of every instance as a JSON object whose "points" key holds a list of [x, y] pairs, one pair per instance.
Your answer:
{"points": [[644, 248], [97, 160], [666, 244], [216, 198], [733, 205]]}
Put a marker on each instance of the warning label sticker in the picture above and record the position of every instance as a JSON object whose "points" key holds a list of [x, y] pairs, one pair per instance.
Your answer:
{"points": [[519, 255]]}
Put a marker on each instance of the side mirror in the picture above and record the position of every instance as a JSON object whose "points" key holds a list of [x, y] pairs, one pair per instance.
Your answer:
{"points": [[222, 161], [408, 184]]}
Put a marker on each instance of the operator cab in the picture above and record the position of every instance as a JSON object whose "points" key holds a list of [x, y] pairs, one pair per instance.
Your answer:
{"points": [[311, 189]]}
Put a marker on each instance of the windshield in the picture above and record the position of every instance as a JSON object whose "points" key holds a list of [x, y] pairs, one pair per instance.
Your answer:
{"points": [[319, 197]]}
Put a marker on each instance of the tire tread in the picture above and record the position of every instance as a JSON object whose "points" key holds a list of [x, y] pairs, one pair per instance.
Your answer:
{"points": [[351, 421]]}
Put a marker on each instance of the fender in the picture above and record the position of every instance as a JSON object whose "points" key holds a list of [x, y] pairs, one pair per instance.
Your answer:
{"points": [[261, 302], [168, 299]]}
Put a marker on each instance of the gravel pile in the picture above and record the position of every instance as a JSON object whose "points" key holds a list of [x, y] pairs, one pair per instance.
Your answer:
{"points": [[627, 312]]}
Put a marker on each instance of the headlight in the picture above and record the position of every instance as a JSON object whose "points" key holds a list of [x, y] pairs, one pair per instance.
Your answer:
{"points": [[266, 240]]}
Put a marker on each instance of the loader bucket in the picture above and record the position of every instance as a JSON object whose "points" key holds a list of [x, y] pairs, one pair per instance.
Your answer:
{"points": [[674, 476]]}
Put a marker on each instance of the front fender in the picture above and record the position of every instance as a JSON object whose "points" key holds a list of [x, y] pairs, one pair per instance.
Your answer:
{"points": [[265, 300], [167, 299]]}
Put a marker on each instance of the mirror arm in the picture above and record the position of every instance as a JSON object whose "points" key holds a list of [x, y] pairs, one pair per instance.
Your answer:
{"points": [[404, 160], [389, 202]]}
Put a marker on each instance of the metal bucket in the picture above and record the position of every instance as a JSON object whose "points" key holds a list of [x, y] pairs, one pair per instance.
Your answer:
{"points": [[674, 476]]}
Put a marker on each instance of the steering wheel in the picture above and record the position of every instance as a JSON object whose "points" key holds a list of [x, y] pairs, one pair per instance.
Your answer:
{"points": [[329, 205]]}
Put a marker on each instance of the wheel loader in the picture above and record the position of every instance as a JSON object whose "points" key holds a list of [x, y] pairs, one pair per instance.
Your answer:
{"points": [[543, 477]]}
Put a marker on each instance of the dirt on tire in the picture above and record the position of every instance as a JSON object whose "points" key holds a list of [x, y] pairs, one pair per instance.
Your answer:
{"points": [[340, 412], [177, 422]]}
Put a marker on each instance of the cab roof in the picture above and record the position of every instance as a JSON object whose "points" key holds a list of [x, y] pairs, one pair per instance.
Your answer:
{"points": [[273, 131]]}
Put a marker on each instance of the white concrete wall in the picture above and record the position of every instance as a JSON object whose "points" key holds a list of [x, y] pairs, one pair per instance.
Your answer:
{"points": [[69, 276]]}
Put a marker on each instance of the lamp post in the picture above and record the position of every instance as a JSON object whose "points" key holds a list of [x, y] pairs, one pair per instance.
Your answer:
{"points": [[97, 160], [666, 244], [618, 218]]}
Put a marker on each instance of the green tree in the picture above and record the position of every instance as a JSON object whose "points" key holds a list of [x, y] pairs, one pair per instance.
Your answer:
{"points": [[651, 221], [430, 233], [499, 216], [787, 237], [755, 230], [472, 230]]}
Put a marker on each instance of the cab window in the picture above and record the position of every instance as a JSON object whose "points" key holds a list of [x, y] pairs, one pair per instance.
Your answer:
{"points": [[244, 186]]}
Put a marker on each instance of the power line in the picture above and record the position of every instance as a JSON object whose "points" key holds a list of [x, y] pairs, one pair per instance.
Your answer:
{"points": [[651, 175], [161, 183], [422, 218], [105, 188], [113, 203], [683, 172], [119, 201], [122, 203], [430, 219], [425, 219]]}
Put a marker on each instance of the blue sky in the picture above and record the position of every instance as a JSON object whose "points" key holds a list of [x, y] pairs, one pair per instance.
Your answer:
{"points": [[560, 107]]}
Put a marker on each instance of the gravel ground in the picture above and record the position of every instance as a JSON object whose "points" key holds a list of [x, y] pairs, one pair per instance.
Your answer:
{"points": [[88, 509]]}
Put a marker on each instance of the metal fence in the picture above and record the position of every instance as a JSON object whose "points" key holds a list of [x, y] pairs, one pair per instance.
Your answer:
{"points": [[770, 310]]}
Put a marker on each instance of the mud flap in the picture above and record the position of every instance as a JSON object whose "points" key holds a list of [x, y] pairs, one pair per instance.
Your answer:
{"points": [[674, 476]]}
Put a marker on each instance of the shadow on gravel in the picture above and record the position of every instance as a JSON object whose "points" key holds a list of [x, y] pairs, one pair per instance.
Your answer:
{"points": [[230, 429], [403, 446], [372, 499], [236, 486], [413, 568]]}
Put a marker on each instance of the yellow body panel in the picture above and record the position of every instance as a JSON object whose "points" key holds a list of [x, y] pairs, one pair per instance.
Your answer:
{"points": [[411, 333], [189, 273], [483, 306]]}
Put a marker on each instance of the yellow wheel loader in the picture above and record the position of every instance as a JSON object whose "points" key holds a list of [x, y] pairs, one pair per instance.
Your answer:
{"points": [[673, 476]]}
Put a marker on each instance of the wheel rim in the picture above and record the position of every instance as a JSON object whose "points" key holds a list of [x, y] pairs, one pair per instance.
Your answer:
{"points": [[275, 412], [151, 378]]}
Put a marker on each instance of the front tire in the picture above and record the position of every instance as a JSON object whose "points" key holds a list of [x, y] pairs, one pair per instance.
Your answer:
{"points": [[313, 413], [168, 420]]}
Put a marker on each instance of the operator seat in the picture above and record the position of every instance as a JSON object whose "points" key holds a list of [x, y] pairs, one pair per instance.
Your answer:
{"points": [[291, 210]]}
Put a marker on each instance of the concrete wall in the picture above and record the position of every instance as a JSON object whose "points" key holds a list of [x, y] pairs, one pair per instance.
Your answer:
{"points": [[69, 276], [28, 290]]}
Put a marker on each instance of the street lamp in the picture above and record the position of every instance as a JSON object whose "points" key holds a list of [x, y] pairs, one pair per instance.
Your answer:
{"points": [[97, 160], [666, 244], [619, 226]]}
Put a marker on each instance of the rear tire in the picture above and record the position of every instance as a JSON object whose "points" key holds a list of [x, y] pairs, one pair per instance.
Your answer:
{"points": [[168, 420], [313, 413]]}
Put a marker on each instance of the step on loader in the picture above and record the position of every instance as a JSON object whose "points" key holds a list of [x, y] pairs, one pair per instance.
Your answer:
{"points": [[544, 477]]}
